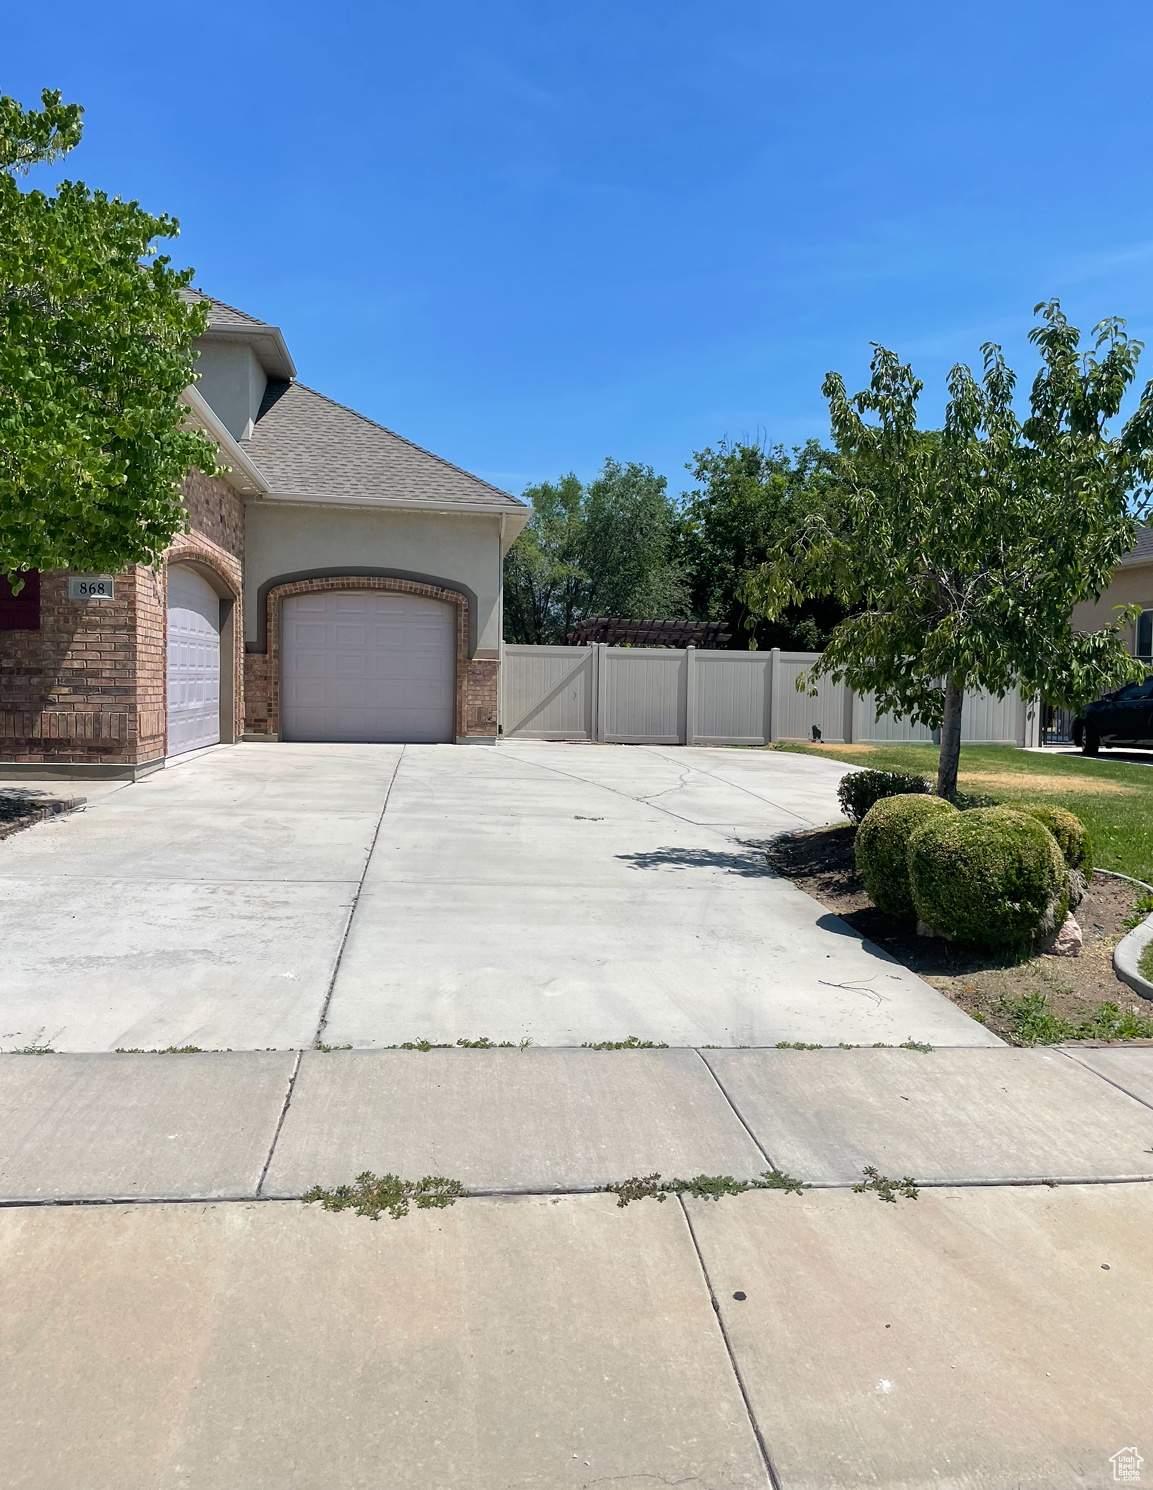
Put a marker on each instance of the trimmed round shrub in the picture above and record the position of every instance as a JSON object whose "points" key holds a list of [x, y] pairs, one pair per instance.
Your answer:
{"points": [[993, 878], [1071, 834], [881, 848], [967, 801], [860, 789]]}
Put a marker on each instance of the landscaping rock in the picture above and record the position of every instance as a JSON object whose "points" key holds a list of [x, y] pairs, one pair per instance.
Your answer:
{"points": [[1066, 941]]}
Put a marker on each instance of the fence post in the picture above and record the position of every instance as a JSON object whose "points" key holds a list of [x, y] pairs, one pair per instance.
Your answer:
{"points": [[774, 683], [690, 694], [599, 685], [1034, 711]]}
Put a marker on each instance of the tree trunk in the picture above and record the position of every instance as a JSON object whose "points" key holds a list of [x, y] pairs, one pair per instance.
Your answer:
{"points": [[950, 757]]}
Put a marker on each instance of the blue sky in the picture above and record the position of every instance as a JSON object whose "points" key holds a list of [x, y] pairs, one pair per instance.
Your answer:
{"points": [[530, 235]]}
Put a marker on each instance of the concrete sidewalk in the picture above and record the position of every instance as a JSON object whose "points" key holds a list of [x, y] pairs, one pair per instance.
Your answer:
{"points": [[272, 1124], [993, 1338], [988, 1334], [265, 896]]}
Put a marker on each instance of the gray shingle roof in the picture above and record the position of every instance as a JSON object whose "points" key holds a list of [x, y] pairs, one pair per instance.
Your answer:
{"points": [[307, 445], [1142, 550], [219, 314]]}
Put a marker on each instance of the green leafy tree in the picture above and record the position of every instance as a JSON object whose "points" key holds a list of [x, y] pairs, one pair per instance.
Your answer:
{"points": [[626, 548], [601, 549], [963, 550], [544, 584], [750, 498], [95, 349]]}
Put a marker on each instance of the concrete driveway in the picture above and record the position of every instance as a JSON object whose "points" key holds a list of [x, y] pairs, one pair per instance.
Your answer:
{"points": [[267, 896]]}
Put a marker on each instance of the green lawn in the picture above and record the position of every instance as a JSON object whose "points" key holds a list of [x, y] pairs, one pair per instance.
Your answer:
{"points": [[1114, 799]]}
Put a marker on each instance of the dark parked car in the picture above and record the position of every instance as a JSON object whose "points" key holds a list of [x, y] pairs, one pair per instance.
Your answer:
{"points": [[1121, 718]]}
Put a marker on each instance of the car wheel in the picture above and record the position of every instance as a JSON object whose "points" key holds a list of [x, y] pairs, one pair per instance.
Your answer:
{"points": [[1090, 741], [1078, 732]]}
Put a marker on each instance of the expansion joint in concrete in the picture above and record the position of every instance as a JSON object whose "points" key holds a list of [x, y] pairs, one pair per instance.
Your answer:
{"points": [[280, 1121], [736, 1111], [323, 1020], [762, 1446]]}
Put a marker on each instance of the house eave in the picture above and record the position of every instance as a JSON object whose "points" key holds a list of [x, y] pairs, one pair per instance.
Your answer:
{"points": [[241, 472], [513, 515], [266, 341]]}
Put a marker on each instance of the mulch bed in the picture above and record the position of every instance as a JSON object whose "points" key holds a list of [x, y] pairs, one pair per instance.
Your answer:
{"points": [[821, 863]]}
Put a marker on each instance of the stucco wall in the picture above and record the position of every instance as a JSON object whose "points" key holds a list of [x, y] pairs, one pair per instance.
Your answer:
{"points": [[287, 539], [1132, 585], [232, 381]]}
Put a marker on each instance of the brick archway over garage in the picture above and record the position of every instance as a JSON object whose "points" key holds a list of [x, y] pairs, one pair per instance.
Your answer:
{"points": [[222, 571], [475, 688]]}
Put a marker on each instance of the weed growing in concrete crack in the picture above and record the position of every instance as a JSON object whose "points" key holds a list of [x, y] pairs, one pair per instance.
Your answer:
{"points": [[483, 1043], [703, 1187], [328, 1049], [844, 1045], [372, 1195], [884, 1188], [777, 1179], [168, 1050], [632, 1043], [38, 1045]]}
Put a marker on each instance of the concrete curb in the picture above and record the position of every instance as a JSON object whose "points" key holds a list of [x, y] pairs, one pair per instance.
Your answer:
{"points": [[1127, 952], [40, 811], [1127, 956]]}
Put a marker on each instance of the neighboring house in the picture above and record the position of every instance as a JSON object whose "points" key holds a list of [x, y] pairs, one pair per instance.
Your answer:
{"points": [[337, 583], [1132, 585]]}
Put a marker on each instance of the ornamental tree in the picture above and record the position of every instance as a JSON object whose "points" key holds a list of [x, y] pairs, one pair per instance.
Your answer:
{"points": [[95, 350], [961, 552], [601, 549], [749, 497]]}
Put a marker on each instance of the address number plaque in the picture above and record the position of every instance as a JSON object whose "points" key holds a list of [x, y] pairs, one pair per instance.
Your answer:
{"points": [[90, 587]]}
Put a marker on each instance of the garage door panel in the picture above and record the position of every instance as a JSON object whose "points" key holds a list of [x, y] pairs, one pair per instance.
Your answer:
{"points": [[353, 664], [352, 636], [193, 661], [385, 672]]}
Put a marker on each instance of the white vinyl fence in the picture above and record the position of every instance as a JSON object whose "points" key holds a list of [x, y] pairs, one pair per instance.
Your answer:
{"points": [[660, 696]]}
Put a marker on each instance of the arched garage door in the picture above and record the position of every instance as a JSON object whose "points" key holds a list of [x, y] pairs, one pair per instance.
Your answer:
{"points": [[367, 666], [193, 661]]}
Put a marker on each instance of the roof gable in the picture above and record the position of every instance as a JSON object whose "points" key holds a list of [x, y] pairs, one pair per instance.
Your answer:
{"points": [[310, 447], [1142, 550], [219, 314]]}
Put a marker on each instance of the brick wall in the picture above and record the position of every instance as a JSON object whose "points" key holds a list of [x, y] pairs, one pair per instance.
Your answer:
{"points": [[88, 687], [216, 542], [68, 691], [481, 694]]}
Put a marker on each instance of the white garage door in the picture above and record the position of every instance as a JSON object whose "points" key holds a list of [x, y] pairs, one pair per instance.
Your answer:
{"points": [[367, 666], [193, 661]]}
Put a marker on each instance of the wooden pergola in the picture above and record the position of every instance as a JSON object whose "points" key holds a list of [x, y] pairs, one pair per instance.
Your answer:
{"points": [[619, 631]]}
